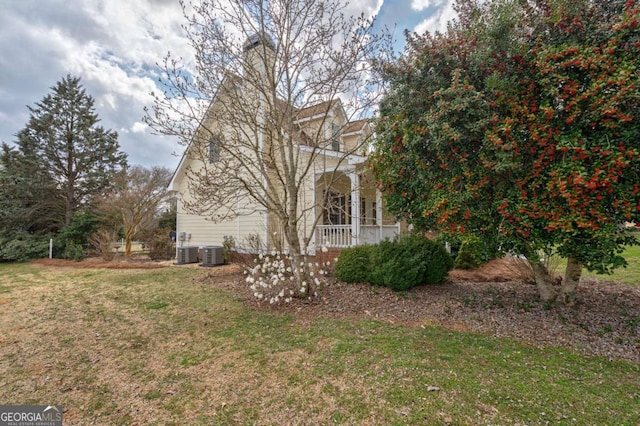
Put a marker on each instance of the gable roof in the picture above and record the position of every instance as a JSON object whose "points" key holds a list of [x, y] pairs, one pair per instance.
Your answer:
{"points": [[318, 109], [354, 127], [308, 113]]}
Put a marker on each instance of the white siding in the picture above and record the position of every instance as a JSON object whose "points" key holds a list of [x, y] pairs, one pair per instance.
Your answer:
{"points": [[202, 231]]}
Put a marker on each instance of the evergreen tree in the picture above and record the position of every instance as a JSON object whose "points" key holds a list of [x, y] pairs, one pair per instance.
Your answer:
{"points": [[64, 139], [28, 203], [26, 207]]}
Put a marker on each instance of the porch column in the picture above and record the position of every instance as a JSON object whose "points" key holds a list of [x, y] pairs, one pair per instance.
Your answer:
{"points": [[355, 206]]}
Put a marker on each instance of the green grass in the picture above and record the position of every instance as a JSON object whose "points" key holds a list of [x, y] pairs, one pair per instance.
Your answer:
{"points": [[157, 347], [628, 275]]}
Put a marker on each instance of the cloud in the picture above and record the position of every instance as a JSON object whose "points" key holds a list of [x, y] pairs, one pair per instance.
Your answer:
{"points": [[368, 7], [139, 127], [113, 46], [420, 5], [438, 21]]}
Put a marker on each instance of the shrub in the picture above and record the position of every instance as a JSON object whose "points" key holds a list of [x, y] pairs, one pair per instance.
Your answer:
{"points": [[401, 264], [102, 241], [23, 247], [382, 262], [409, 261], [432, 256], [395, 267], [78, 232], [473, 252], [354, 264], [159, 243], [74, 251], [72, 241], [274, 278], [228, 247]]}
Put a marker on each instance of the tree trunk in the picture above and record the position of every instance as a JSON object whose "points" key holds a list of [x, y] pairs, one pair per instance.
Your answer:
{"points": [[68, 199], [299, 265], [544, 282], [570, 283], [127, 243]]}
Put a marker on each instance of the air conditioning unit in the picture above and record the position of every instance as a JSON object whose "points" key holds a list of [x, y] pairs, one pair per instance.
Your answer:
{"points": [[187, 255], [212, 255]]}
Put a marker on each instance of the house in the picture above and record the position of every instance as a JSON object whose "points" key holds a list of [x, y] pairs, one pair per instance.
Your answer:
{"points": [[338, 204]]}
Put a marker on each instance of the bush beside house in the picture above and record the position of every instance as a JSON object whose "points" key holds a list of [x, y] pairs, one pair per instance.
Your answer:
{"points": [[401, 264], [354, 264]]}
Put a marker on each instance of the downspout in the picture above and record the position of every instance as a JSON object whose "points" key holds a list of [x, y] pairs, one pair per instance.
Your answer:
{"points": [[238, 218], [313, 211]]}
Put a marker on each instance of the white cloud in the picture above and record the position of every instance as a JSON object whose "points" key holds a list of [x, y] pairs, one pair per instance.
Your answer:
{"points": [[139, 127], [113, 46], [438, 21], [368, 7], [420, 5], [139, 32]]}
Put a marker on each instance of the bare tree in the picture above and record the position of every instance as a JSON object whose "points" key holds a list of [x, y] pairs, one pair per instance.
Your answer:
{"points": [[140, 193], [261, 69]]}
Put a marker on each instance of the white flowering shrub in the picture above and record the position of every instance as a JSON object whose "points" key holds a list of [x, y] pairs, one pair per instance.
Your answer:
{"points": [[274, 278]]}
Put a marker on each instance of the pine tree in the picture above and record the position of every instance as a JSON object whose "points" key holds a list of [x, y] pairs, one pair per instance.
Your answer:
{"points": [[64, 137], [28, 203]]}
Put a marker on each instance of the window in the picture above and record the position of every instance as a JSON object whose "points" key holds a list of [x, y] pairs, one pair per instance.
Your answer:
{"points": [[368, 212], [335, 210], [374, 208], [335, 137], [214, 150]]}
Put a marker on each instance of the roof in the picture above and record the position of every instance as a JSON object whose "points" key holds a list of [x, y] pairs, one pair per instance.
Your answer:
{"points": [[303, 114], [354, 126], [317, 109]]}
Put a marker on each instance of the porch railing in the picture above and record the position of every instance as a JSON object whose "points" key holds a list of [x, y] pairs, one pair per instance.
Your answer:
{"points": [[333, 235], [340, 235]]}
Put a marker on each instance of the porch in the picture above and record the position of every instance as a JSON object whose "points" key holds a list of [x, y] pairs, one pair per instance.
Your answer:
{"points": [[352, 210], [340, 236]]}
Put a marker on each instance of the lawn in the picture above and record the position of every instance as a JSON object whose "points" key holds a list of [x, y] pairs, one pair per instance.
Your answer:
{"points": [[159, 347], [628, 275]]}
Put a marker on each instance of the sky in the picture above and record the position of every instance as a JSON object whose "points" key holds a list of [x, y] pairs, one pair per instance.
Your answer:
{"points": [[114, 46]]}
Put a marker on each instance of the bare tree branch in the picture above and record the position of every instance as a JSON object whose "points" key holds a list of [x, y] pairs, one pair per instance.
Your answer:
{"points": [[258, 110]]}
